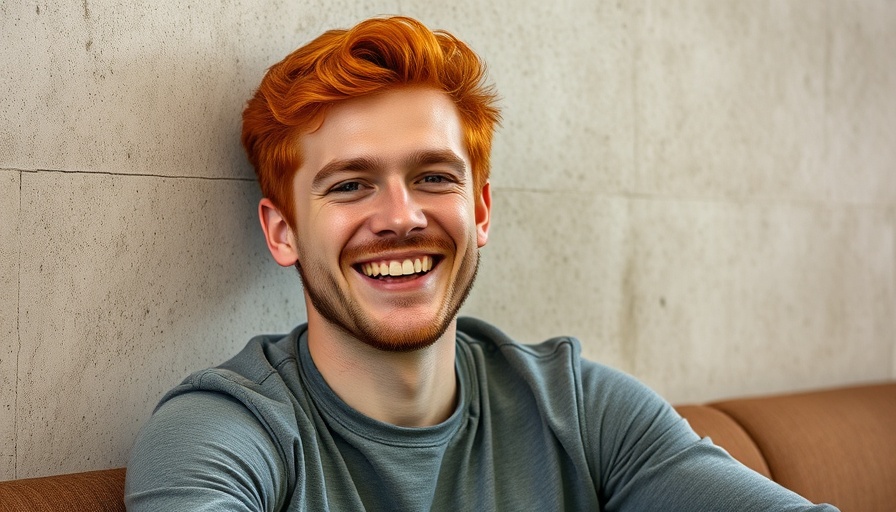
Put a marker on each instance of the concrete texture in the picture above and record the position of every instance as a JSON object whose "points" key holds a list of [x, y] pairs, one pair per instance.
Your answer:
{"points": [[564, 71], [128, 285], [751, 298], [552, 267], [9, 312], [730, 99], [891, 213], [162, 82], [702, 191], [860, 102]]}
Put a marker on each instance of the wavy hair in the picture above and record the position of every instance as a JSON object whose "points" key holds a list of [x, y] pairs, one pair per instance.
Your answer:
{"points": [[374, 56]]}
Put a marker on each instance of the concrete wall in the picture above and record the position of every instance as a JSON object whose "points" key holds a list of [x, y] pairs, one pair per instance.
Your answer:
{"points": [[703, 191]]}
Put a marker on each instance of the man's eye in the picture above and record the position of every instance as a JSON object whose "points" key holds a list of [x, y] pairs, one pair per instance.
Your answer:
{"points": [[348, 186], [434, 178]]}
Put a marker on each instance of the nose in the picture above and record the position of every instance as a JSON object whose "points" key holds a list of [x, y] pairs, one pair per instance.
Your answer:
{"points": [[396, 211]]}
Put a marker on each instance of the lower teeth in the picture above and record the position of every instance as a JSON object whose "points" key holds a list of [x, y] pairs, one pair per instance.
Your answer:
{"points": [[383, 276]]}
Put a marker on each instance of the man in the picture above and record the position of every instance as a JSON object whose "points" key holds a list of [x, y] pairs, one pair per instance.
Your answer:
{"points": [[372, 147]]}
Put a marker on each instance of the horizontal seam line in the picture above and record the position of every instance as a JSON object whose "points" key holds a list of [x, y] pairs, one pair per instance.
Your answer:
{"points": [[141, 175], [646, 196]]}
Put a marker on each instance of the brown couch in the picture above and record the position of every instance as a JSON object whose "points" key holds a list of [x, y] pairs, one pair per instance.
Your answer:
{"points": [[836, 446]]}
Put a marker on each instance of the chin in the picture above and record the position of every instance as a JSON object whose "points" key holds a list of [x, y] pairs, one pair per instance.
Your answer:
{"points": [[390, 337], [400, 327]]}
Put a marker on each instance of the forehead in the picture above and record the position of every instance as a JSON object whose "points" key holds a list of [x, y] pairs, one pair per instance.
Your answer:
{"points": [[387, 126]]}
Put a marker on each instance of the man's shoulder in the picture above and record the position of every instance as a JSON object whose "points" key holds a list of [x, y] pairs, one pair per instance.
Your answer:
{"points": [[254, 374], [563, 351], [476, 331], [555, 360], [264, 354]]}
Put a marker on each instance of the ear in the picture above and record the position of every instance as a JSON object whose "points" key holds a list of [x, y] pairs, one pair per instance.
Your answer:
{"points": [[483, 214], [278, 234]]}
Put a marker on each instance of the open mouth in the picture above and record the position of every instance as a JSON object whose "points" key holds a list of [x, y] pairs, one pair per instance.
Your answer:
{"points": [[397, 269]]}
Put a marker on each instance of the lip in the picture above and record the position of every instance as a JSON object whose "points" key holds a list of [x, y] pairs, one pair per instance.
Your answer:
{"points": [[417, 283], [399, 256]]}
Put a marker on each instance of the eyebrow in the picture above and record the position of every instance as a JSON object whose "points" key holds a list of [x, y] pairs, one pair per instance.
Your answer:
{"points": [[440, 156], [415, 160], [349, 164]]}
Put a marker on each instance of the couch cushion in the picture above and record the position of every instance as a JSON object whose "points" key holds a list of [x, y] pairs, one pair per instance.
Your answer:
{"points": [[725, 432], [101, 491], [836, 446]]}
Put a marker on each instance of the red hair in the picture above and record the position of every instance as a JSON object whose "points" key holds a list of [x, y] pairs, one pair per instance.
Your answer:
{"points": [[374, 56]]}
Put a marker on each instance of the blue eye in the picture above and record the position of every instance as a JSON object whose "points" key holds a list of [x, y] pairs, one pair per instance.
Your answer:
{"points": [[348, 186], [434, 178]]}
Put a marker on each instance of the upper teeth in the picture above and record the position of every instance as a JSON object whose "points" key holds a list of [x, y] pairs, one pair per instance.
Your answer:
{"points": [[397, 268]]}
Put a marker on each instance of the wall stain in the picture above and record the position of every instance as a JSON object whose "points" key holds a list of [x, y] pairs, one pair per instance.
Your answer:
{"points": [[628, 320], [86, 11]]}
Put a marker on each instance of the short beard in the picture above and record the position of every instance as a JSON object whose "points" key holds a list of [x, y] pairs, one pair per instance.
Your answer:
{"points": [[340, 312]]}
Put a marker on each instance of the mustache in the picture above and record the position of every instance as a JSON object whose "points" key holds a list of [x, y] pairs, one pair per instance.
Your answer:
{"points": [[418, 242]]}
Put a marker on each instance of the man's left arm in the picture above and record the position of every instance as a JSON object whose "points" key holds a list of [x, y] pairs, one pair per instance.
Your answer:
{"points": [[648, 458]]}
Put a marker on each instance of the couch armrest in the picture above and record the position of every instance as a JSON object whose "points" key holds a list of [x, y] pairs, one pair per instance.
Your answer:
{"points": [[101, 491], [726, 433], [836, 446]]}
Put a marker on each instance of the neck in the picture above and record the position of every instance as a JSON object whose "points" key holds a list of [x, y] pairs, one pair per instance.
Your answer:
{"points": [[408, 389]]}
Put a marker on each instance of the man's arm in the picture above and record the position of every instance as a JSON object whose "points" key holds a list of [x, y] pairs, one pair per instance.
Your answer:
{"points": [[650, 459], [204, 451]]}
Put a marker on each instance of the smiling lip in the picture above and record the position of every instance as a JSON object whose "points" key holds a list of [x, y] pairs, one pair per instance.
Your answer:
{"points": [[398, 260], [397, 267]]}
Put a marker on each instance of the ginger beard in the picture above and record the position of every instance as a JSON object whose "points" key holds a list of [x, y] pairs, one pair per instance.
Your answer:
{"points": [[344, 312]]}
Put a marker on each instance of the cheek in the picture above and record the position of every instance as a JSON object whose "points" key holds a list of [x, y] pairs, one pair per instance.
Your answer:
{"points": [[458, 218], [332, 223], [328, 231]]}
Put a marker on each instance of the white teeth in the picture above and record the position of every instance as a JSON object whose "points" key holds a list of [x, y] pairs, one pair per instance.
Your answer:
{"points": [[398, 268]]}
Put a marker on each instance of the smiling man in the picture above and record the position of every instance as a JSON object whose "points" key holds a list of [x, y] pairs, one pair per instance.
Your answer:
{"points": [[386, 229], [371, 147]]}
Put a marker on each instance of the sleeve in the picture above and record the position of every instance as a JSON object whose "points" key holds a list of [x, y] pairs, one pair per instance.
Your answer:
{"points": [[648, 457], [204, 451]]}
